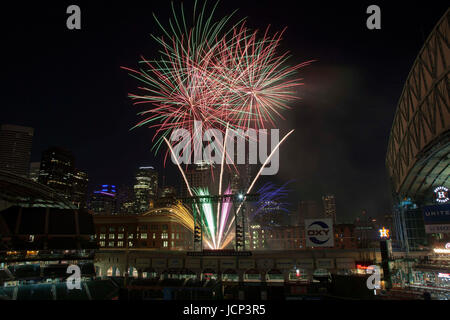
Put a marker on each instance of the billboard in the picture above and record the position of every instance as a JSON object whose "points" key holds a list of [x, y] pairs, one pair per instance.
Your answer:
{"points": [[437, 218], [319, 232]]}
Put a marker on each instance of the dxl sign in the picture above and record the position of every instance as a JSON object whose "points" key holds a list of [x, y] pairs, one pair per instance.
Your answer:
{"points": [[319, 233]]}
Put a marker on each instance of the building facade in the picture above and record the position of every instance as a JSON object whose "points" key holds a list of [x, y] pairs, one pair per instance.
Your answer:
{"points": [[329, 206], [104, 200], [167, 228], [79, 189], [418, 150], [145, 188], [57, 168], [15, 148]]}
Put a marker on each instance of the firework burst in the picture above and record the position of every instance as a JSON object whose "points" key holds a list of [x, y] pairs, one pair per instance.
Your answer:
{"points": [[225, 77], [221, 77]]}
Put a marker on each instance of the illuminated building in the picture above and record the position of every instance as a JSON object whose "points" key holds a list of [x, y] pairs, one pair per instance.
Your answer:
{"points": [[329, 206], [201, 175], [168, 192], [125, 199], [366, 231], [15, 148], [257, 236], [57, 167], [285, 238], [145, 188], [167, 228], [271, 214], [207, 176], [79, 188], [103, 200], [345, 237], [419, 145], [57, 171]]}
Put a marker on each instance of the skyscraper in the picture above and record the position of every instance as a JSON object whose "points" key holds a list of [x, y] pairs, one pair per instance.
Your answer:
{"points": [[125, 199], [15, 148], [201, 175], [103, 200], [329, 206], [168, 191], [79, 188], [145, 188], [57, 169]]}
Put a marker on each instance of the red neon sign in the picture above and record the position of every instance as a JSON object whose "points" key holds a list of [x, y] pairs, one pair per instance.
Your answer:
{"points": [[360, 266]]}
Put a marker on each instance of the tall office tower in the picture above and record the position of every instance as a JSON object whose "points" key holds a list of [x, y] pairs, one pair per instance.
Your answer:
{"points": [[125, 199], [168, 192], [145, 188], [57, 168], [15, 148], [104, 200], [271, 214], [235, 181], [202, 175], [79, 188], [329, 206], [34, 171], [239, 177]]}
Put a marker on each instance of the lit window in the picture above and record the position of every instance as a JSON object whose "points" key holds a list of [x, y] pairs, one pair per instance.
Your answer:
{"points": [[172, 244], [111, 236], [103, 236], [102, 243], [130, 236], [143, 236], [165, 244], [130, 243], [120, 244], [111, 244], [164, 235], [120, 236], [173, 235]]}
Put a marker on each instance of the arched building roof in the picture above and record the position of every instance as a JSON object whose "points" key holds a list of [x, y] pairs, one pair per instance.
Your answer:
{"points": [[418, 154]]}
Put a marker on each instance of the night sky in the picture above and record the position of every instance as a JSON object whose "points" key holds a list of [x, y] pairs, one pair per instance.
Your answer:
{"points": [[68, 85]]}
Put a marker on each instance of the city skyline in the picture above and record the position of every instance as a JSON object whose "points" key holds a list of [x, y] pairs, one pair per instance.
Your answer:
{"points": [[134, 161], [335, 129]]}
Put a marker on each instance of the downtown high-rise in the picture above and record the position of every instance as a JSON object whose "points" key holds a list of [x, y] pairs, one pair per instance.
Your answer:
{"points": [[57, 167], [145, 188], [15, 148], [57, 171]]}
